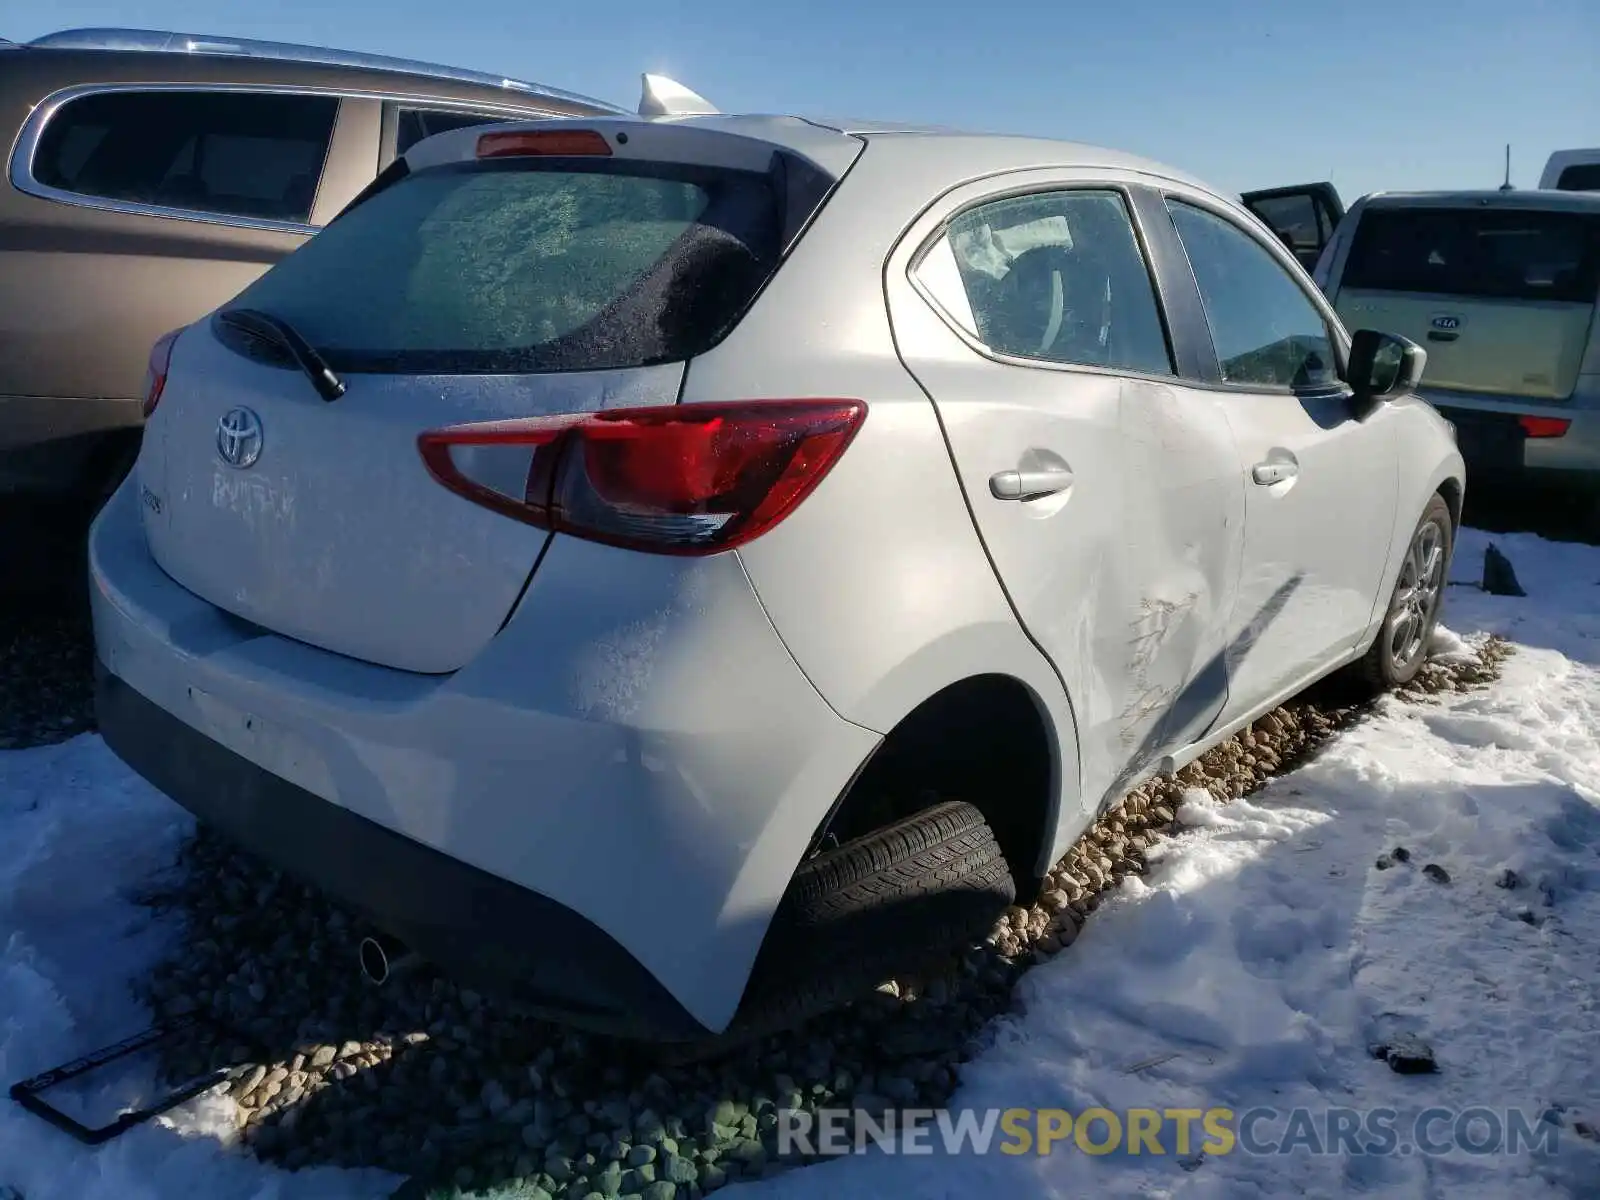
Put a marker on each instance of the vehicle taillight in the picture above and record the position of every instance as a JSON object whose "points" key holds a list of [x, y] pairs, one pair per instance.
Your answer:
{"points": [[675, 479], [565, 142], [155, 376], [1544, 427]]}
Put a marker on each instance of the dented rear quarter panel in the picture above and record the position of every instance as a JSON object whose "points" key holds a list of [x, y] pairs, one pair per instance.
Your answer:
{"points": [[910, 602], [1127, 581], [907, 604]]}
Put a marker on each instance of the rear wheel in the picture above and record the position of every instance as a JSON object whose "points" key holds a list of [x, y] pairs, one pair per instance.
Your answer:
{"points": [[886, 903], [1401, 647]]}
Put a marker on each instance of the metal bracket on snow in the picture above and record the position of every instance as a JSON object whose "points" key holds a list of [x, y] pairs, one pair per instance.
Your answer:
{"points": [[27, 1092]]}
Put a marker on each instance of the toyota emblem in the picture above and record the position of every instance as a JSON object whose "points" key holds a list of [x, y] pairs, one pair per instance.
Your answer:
{"points": [[239, 438]]}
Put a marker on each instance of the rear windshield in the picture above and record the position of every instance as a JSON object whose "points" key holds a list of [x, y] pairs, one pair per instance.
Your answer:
{"points": [[1491, 253], [517, 266]]}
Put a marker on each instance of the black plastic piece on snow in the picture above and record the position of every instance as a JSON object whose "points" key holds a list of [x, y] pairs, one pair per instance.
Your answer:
{"points": [[1499, 578], [27, 1092]]}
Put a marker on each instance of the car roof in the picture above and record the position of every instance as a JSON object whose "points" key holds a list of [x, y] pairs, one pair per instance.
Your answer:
{"points": [[1543, 199], [1038, 151], [945, 140], [215, 49]]}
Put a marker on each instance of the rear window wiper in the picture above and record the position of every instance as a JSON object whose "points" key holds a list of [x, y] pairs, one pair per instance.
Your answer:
{"points": [[283, 335]]}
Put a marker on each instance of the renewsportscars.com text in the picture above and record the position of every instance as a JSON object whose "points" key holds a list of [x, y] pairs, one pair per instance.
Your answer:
{"points": [[1182, 1132]]}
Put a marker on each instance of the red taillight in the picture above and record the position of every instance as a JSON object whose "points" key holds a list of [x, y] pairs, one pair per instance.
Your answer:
{"points": [[155, 376], [1544, 427], [511, 143], [677, 479]]}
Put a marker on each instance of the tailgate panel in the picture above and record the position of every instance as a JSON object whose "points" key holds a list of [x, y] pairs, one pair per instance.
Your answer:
{"points": [[337, 535], [1513, 348]]}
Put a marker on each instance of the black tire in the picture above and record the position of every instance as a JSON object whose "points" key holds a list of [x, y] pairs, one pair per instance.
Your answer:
{"points": [[1399, 651], [889, 902]]}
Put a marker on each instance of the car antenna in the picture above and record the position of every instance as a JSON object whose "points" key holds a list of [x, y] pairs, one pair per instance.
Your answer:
{"points": [[1506, 186]]}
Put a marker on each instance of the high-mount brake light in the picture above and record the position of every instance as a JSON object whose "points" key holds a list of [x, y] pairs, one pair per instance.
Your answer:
{"points": [[682, 479], [513, 143], [155, 376]]}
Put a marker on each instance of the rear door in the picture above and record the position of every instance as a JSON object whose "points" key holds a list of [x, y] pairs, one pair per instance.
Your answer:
{"points": [[1105, 489], [1502, 295], [1303, 216], [510, 287], [1320, 485]]}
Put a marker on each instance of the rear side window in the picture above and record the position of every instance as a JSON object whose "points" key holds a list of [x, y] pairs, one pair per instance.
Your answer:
{"points": [[1054, 276], [414, 124], [1496, 254], [530, 265], [242, 154]]}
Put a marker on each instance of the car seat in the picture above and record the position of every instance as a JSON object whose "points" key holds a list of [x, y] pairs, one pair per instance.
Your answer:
{"points": [[1053, 304]]}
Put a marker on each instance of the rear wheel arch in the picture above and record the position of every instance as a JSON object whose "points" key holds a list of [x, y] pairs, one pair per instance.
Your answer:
{"points": [[986, 739]]}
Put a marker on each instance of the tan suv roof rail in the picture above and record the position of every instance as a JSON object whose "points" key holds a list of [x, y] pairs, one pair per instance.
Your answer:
{"points": [[165, 42]]}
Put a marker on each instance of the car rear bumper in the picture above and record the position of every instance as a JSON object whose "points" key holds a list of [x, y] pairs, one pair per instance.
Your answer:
{"points": [[470, 923], [635, 752], [1497, 448]]}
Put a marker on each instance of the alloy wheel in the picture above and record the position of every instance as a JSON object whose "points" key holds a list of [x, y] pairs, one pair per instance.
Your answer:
{"points": [[1416, 597]]}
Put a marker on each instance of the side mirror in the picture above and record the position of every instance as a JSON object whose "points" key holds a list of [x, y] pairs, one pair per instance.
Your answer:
{"points": [[1383, 367]]}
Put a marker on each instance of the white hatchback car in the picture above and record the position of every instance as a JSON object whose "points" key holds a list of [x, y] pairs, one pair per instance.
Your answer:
{"points": [[683, 570]]}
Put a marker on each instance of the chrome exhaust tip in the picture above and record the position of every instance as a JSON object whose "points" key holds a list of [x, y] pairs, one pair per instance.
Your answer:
{"points": [[383, 959]]}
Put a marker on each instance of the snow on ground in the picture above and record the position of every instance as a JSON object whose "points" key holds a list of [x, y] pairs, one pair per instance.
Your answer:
{"points": [[1252, 967], [79, 835], [1266, 950]]}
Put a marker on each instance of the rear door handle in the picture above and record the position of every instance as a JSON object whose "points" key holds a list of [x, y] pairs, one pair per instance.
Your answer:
{"points": [[1268, 473], [1029, 485]]}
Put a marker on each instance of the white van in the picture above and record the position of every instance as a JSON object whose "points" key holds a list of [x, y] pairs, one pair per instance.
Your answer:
{"points": [[1572, 171]]}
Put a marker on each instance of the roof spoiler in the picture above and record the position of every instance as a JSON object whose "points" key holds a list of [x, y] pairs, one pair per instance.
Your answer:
{"points": [[663, 97]]}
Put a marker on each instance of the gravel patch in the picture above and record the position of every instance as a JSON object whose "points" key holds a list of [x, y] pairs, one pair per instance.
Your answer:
{"points": [[46, 672], [46, 646], [463, 1092]]}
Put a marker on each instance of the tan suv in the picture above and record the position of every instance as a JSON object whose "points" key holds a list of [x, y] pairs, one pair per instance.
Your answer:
{"points": [[151, 177], [1503, 290]]}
